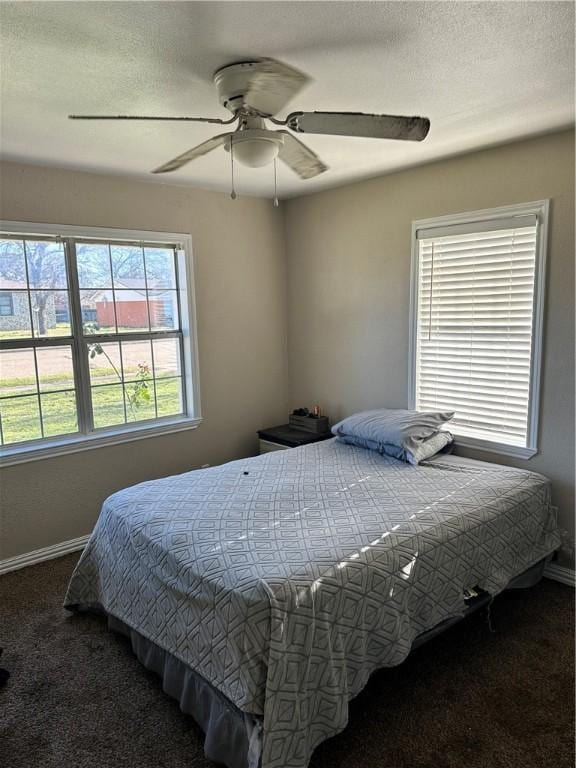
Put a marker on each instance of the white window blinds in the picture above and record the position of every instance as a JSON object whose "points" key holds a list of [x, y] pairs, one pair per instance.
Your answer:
{"points": [[474, 325]]}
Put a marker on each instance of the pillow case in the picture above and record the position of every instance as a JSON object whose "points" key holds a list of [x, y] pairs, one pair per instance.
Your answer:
{"points": [[430, 447], [427, 448], [403, 434]]}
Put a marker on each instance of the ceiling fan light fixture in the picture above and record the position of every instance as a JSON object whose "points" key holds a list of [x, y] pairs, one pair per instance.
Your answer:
{"points": [[255, 153], [255, 148]]}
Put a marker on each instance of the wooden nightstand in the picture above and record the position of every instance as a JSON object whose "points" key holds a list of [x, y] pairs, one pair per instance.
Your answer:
{"points": [[285, 436]]}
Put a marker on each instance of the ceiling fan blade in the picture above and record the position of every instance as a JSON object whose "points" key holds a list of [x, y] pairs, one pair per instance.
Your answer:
{"points": [[192, 154], [360, 124], [272, 85], [300, 158], [152, 117]]}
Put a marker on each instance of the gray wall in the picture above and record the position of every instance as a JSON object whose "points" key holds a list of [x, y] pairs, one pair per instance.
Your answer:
{"points": [[345, 254], [349, 271], [241, 307]]}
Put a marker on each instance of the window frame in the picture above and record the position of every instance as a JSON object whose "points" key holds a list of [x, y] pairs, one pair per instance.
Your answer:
{"points": [[540, 209], [76, 442]]}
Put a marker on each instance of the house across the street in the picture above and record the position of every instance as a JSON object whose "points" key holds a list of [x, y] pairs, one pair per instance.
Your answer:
{"points": [[15, 307]]}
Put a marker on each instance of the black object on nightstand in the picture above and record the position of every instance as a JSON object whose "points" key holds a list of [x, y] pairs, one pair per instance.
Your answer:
{"points": [[285, 436]]}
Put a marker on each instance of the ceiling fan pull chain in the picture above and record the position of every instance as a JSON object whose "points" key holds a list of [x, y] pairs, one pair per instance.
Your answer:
{"points": [[233, 192], [275, 186]]}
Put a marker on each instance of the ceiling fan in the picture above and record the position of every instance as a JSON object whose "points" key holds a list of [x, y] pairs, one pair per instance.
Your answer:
{"points": [[255, 91]]}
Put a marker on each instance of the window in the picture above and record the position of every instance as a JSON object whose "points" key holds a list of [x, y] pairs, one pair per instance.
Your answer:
{"points": [[99, 345], [6, 304], [476, 323]]}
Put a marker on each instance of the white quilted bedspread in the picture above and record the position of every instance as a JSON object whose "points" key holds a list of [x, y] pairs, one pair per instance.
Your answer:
{"points": [[287, 579]]}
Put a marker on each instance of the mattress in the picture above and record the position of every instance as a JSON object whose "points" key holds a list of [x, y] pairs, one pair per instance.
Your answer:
{"points": [[285, 580]]}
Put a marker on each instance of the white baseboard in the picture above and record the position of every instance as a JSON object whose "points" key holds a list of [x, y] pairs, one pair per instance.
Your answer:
{"points": [[561, 574], [39, 555]]}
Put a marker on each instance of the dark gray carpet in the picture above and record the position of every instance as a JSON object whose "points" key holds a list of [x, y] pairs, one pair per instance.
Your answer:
{"points": [[470, 698]]}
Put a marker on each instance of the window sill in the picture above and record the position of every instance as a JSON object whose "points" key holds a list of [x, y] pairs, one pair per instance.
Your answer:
{"points": [[516, 451], [78, 443]]}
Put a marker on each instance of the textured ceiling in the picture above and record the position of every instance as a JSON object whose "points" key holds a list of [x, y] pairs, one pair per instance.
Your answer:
{"points": [[484, 73]]}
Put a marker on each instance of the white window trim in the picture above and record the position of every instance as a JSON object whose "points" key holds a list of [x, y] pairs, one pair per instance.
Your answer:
{"points": [[58, 446], [540, 209]]}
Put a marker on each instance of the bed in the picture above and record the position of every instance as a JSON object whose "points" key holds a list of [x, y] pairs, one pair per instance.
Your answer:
{"points": [[266, 591]]}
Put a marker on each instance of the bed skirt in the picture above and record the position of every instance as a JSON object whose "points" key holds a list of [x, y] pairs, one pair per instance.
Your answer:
{"points": [[232, 737]]}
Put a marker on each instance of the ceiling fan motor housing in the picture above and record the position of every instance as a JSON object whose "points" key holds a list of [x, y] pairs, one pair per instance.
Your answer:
{"points": [[232, 82]]}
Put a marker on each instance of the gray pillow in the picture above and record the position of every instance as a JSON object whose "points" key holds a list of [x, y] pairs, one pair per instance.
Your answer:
{"points": [[400, 433]]}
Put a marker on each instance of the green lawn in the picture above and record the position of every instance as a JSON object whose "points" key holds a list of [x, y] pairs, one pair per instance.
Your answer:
{"points": [[17, 385], [113, 403], [64, 329], [20, 416]]}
